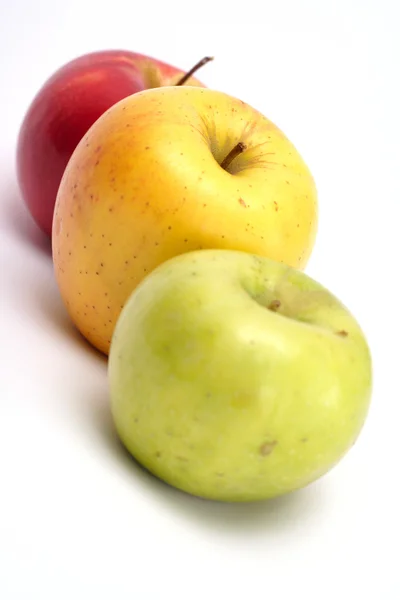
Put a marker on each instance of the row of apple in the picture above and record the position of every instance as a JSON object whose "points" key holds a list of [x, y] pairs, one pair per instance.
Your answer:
{"points": [[181, 219]]}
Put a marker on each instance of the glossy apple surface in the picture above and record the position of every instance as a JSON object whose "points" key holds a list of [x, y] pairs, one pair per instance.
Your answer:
{"points": [[148, 182], [237, 378], [66, 107]]}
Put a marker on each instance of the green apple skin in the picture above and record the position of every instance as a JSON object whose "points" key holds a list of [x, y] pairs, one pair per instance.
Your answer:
{"points": [[237, 378]]}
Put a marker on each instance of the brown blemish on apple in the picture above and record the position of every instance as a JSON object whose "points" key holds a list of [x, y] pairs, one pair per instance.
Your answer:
{"points": [[276, 206], [267, 447], [342, 333], [181, 458], [242, 202]]}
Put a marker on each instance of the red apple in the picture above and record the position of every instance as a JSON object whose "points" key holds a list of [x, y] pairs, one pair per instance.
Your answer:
{"points": [[66, 107]]}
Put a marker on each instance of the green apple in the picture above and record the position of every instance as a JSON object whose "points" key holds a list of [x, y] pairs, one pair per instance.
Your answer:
{"points": [[237, 378]]}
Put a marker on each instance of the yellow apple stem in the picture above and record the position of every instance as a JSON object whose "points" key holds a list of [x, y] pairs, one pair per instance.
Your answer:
{"points": [[238, 149], [193, 70]]}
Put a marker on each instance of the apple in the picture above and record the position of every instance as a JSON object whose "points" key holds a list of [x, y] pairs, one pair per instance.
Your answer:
{"points": [[66, 107], [234, 377], [164, 172]]}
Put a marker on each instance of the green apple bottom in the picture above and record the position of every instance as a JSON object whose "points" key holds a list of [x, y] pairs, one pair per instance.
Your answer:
{"points": [[237, 378]]}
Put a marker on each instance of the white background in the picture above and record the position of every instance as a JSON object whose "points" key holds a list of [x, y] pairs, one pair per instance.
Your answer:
{"points": [[78, 519]]}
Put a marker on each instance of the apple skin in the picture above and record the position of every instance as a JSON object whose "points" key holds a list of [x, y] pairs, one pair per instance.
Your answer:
{"points": [[237, 378], [64, 109], [145, 184]]}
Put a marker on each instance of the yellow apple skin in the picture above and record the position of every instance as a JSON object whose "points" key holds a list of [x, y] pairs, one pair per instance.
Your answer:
{"points": [[237, 378], [145, 184]]}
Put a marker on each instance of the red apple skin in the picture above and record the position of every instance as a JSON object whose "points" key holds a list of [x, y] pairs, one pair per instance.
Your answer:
{"points": [[65, 108]]}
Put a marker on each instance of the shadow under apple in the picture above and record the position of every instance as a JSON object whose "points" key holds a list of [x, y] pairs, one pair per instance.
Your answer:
{"points": [[19, 222], [34, 290]]}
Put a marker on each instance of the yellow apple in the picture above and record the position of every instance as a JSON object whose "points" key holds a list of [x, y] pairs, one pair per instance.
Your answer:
{"points": [[164, 172]]}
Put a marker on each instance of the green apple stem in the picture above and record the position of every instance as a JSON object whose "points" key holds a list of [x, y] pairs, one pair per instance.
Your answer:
{"points": [[193, 70], [238, 149], [275, 304]]}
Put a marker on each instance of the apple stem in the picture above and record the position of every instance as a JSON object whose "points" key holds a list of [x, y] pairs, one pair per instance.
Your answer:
{"points": [[275, 304], [193, 70], [238, 149]]}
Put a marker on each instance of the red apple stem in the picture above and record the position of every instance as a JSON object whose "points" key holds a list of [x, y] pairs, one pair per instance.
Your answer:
{"points": [[238, 149], [193, 70]]}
